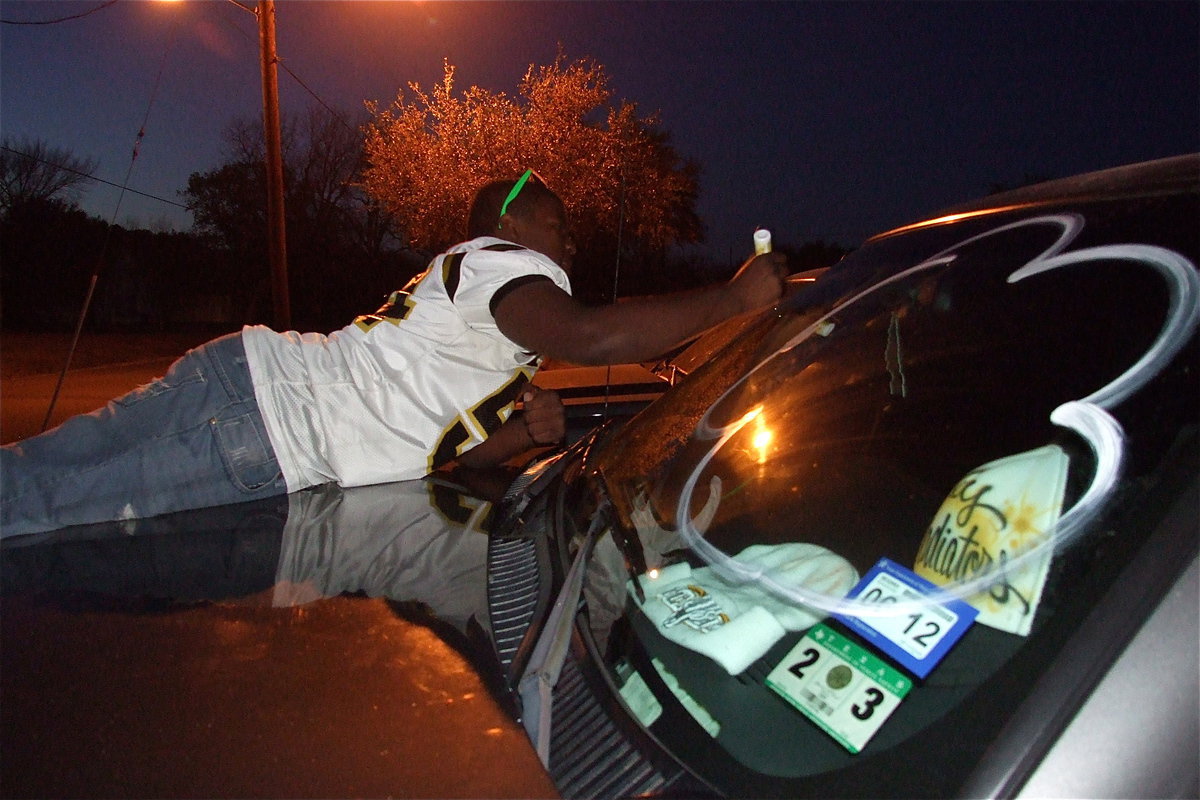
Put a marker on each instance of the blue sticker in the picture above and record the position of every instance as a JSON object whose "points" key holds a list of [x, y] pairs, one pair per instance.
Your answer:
{"points": [[917, 638]]}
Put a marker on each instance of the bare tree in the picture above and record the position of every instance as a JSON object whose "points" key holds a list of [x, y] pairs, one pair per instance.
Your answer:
{"points": [[342, 247], [32, 170]]}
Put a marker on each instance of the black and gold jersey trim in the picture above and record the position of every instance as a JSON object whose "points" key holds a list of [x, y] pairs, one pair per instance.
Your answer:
{"points": [[452, 266]]}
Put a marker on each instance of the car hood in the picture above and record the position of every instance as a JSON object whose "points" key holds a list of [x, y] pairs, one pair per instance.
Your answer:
{"points": [[327, 643]]}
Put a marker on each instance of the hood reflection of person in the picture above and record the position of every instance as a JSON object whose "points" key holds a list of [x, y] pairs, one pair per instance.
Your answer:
{"points": [[422, 540]]}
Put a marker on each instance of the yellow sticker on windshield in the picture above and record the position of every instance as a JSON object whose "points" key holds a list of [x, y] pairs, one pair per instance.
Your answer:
{"points": [[999, 520]]}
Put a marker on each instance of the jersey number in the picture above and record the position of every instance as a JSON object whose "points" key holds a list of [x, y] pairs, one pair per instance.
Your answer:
{"points": [[487, 416]]}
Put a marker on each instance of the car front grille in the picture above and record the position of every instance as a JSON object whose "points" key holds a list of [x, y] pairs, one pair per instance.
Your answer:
{"points": [[512, 578], [589, 756]]}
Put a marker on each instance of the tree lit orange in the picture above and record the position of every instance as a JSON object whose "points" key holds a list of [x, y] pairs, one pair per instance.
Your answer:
{"points": [[429, 151]]}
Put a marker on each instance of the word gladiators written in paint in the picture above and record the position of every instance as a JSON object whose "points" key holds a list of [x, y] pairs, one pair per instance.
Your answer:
{"points": [[951, 547]]}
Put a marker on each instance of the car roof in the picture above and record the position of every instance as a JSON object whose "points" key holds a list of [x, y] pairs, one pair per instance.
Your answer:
{"points": [[1163, 176]]}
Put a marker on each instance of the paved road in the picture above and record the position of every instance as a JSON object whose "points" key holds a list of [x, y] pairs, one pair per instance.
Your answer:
{"points": [[24, 399]]}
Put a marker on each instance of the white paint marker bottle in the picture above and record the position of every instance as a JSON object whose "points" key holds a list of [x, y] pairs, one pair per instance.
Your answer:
{"points": [[762, 241]]}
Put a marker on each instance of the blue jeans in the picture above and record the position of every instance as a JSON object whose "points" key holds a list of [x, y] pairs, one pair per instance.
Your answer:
{"points": [[191, 439]]}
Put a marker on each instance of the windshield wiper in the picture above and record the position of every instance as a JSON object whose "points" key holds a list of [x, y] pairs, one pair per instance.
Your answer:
{"points": [[536, 687], [625, 537]]}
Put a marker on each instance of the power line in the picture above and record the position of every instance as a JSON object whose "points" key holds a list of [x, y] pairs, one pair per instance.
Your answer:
{"points": [[283, 65], [87, 301], [333, 112], [65, 168], [100, 7]]}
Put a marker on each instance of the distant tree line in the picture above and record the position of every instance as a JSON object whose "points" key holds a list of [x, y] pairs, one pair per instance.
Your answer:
{"points": [[344, 252], [368, 201], [50, 249], [32, 170]]}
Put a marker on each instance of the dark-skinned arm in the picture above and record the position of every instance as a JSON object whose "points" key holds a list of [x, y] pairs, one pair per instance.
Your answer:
{"points": [[541, 422], [544, 319]]}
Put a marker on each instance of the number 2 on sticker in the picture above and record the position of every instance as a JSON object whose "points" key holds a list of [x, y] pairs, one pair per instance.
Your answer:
{"points": [[811, 657]]}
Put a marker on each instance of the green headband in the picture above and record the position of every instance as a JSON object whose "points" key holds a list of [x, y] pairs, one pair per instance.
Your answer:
{"points": [[516, 190]]}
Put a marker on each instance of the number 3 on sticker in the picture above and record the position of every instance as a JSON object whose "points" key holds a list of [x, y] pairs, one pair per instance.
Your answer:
{"points": [[867, 709], [848, 692]]}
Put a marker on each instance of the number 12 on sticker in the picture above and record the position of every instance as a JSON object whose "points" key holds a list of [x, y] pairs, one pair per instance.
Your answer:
{"points": [[919, 639], [917, 633], [845, 690]]}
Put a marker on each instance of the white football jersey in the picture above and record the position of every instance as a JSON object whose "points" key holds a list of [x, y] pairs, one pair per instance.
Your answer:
{"points": [[399, 392]]}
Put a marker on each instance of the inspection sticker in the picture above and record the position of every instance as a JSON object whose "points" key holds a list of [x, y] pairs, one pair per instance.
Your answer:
{"points": [[846, 690], [917, 638]]}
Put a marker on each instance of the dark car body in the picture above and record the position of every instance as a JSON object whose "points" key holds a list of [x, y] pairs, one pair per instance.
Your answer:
{"points": [[1001, 400], [594, 395]]}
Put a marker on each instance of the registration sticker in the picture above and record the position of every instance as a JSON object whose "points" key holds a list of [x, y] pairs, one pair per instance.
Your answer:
{"points": [[919, 636], [846, 690]]}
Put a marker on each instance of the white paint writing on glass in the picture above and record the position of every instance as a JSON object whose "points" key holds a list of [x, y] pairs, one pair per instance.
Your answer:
{"points": [[1087, 416]]}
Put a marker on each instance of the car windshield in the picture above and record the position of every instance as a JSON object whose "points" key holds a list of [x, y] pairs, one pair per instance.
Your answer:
{"points": [[950, 415]]}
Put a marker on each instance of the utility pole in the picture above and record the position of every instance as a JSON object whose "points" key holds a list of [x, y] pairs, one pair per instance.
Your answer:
{"points": [[276, 227]]}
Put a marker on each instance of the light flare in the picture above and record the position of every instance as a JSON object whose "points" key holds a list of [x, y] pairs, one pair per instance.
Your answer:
{"points": [[762, 443]]}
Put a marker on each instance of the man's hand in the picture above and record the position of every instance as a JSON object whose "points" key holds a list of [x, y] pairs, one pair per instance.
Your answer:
{"points": [[541, 421], [544, 415], [759, 282]]}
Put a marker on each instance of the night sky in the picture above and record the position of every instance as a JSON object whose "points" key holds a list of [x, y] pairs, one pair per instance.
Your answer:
{"points": [[820, 120]]}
